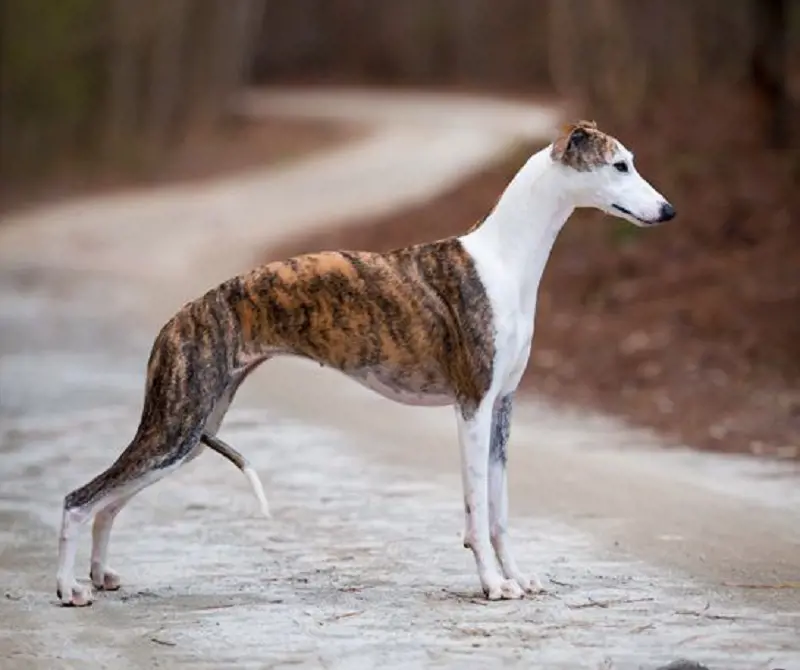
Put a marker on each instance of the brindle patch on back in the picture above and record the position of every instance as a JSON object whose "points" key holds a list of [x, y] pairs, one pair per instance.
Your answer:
{"points": [[583, 147], [415, 322]]}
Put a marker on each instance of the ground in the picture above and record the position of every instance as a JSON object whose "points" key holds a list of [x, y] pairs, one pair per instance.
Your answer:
{"points": [[647, 555], [240, 144]]}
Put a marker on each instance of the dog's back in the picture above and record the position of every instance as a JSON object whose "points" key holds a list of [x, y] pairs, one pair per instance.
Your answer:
{"points": [[414, 318]]}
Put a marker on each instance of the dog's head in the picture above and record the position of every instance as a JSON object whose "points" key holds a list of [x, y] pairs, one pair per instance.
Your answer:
{"points": [[599, 172]]}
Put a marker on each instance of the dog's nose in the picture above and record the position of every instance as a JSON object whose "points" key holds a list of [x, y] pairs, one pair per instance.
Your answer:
{"points": [[667, 212]]}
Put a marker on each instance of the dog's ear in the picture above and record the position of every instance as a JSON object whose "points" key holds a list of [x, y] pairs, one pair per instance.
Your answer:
{"points": [[577, 139], [573, 140]]}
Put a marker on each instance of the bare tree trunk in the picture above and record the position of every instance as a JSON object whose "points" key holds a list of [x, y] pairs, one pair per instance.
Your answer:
{"points": [[467, 19], [769, 74], [122, 75], [564, 40], [792, 80], [222, 34], [620, 78], [250, 27], [6, 119], [198, 63], [235, 43], [164, 88]]}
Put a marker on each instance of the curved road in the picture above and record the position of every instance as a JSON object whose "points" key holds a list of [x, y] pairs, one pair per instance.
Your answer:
{"points": [[648, 555]]}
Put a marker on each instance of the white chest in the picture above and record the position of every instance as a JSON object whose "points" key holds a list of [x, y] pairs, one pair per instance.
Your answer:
{"points": [[513, 309], [514, 334]]}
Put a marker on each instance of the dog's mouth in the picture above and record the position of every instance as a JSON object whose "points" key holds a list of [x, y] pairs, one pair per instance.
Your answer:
{"points": [[629, 213]]}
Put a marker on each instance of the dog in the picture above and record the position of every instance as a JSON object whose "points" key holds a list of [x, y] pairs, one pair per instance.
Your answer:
{"points": [[448, 322]]}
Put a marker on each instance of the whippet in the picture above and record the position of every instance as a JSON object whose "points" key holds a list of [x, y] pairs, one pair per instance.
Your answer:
{"points": [[443, 323]]}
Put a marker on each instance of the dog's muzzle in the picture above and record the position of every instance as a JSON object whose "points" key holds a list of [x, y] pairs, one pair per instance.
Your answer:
{"points": [[665, 213]]}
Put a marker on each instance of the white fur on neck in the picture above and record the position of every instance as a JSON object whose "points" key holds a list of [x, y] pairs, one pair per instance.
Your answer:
{"points": [[511, 247]]}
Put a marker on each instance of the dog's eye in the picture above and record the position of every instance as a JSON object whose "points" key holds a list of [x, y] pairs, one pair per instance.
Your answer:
{"points": [[621, 166]]}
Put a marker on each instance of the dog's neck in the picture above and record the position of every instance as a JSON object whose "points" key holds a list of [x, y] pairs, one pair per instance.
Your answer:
{"points": [[522, 228]]}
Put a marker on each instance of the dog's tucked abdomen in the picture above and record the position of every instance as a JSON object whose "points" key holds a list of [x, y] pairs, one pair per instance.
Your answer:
{"points": [[413, 324], [428, 388]]}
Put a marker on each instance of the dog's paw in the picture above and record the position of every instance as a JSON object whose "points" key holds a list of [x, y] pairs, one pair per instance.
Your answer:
{"points": [[504, 589], [104, 579], [74, 594], [532, 585]]}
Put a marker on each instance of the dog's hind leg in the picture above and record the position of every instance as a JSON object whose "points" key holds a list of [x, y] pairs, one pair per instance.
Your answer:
{"points": [[104, 578], [115, 498], [143, 463], [180, 395], [104, 495]]}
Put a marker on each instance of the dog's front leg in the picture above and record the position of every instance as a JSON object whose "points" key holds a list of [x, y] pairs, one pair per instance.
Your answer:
{"points": [[474, 434], [498, 496]]}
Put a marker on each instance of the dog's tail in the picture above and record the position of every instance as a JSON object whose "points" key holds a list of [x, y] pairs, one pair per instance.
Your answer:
{"points": [[224, 449]]}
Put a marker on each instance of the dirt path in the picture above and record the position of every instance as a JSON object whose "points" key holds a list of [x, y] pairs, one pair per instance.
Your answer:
{"points": [[361, 565], [242, 144]]}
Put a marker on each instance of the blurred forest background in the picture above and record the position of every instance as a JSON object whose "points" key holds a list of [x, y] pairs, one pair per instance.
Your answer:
{"points": [[96, 78], [706, 92]]}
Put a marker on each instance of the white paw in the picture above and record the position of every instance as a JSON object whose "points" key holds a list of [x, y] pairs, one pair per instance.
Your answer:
{"points": [[104, 579], [72, 594], [532, 585], [504, 589]]}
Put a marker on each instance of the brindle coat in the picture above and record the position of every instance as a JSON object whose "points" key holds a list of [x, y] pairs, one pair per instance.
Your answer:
{"points": [[417, 320], [414, 324]]}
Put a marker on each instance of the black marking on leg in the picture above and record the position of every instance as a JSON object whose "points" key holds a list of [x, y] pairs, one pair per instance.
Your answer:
{"points": [[501, 429], [467, 511]]}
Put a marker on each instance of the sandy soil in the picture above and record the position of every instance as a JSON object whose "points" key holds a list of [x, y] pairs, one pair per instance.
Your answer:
{"points": [[361, 565]]}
